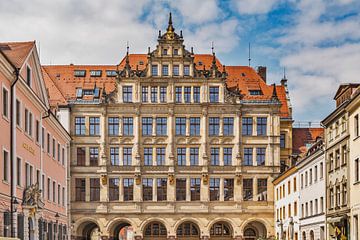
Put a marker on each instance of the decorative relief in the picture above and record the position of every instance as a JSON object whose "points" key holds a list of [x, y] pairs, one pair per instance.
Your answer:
{"points": [[171, 179], [137, 178], [205, 178], [104, 179], [32, 196]]}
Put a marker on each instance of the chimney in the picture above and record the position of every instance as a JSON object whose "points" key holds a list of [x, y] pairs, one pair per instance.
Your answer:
{"points": [[261, 70]]}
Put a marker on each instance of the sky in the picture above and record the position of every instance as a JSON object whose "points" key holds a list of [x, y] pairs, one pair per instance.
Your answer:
{"points": [[317, 42]]}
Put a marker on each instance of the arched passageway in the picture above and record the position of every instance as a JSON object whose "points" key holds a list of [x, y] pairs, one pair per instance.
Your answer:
{"points": [[155, 231], [220, 231], [122, 231], [254, 230], [187, 231], [88, 231]]}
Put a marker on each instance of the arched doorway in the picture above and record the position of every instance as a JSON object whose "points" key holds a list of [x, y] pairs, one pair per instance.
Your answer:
{"points": [[312, 236], [303, 235], [220, 231], [254, 230], [31, 229], [88, 231], [123, 231], [155, 231], [187, 231]]}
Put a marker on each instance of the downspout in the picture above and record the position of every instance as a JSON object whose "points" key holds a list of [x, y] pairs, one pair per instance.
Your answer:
{"points": [[12, 152]]}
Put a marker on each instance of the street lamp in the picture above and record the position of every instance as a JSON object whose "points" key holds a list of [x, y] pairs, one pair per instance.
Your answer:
{"points": [[280, 225], [57, 216]]}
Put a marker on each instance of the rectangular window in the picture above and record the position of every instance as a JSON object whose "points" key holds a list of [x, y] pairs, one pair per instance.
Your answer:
{"points": [[162, 94], [247, 189], [94, 189], [127, 94], [18, 172], [228, 126], [77, 189], [94, 156], [148, 154], [154, 94], [227, 156], [181, 156], [228, 189], [53, 148], [63, 156], [6, 165], [214, 189], [178, 94], [48, 143], [30, 124], [26, 120], [248, 156], [94, 126], [63, 197], [114, 192], [214, 125], [344, 155], [165, 70], [147, 184], [186, 70], [181, 189], [80, 156], [113, 126], [261, 126], [194, 156], [79, 125], [214, 94], [180, 126], [146, 126], [176, 70], [43, 138], [154, 70], [260, 156], [161, 189], [315, 173], [176, 51], [187, 94], [357, 175], [80, 189], [194, 126], [111, 73], [58, 152], [196, 94], [337, 158], [18, 113], [127, 156], [5, 104], [37, 131], [195, 184], [282, 140], [145, 94], [95, 73], [160, 156], [161, 126], [344, 194], [128, 189], [356, 227], [247, 126], [54, 191], [128, 126], [215, 157], [321, 170], [356, 125], [114, 156], [262, 189]]}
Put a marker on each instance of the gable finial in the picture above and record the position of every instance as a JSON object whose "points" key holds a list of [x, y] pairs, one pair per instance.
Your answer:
{"points": [[274, 94], [249, 56], [170, 27], [212, 47], [284, 77], [127, 47]]}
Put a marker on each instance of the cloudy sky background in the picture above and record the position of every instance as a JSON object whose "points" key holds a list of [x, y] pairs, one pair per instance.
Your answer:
{"points": [[317, 41]]}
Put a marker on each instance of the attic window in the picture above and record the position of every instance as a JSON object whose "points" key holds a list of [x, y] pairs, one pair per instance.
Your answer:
{"points": [[79, 93], [110, 73], [95, 73], [165, 51], [79, 73], [96, 93], [141, 62], [200, 63], [88, 92], [243, 74], [255, 92], [176, 51]]}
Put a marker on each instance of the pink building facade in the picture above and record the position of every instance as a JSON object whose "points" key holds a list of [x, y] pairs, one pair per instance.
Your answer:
{"points": [[34, 151]]}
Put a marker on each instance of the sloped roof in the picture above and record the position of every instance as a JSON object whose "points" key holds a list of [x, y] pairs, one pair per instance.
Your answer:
{"points": [[303, 136], [16, 52]]}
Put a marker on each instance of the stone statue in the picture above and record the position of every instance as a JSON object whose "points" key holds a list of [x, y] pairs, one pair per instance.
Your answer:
{"points": [[32, 196]]}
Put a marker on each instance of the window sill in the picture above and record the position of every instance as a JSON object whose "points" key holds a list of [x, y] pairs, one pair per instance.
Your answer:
{"points": [[5, 118], [357, 183], [6, 182], [356, 138]]}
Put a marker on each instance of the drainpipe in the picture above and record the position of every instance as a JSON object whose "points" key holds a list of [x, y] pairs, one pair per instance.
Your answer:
{"points": [[12, 151]]}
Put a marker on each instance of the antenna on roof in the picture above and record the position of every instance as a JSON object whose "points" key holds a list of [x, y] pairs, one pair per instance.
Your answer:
{"points": [[212, 47], [249, 55], [284, 73]]}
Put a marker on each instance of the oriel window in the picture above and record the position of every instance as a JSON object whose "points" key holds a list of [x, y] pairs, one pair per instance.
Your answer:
{"points": [[282, 140]]}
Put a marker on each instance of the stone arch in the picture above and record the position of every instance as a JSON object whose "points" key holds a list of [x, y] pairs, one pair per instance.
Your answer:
{"points": [[84, 227], [115, 226], [266, 224], [155, 230], [312, 235], [154, 219], [253, 229], [188, 219], [193, 226], [226, 223]]}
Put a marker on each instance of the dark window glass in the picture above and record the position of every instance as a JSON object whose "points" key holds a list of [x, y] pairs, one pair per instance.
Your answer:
{"points": [[114, 192], [228, 126], [165, 70], [147, 189], [247, 189], [161, 189], [154, 70], [146, 126], [94, 189], [178, 94], [282, 140], [215, 156], [154, 94], [227, 156], [248, 156], [196, 96], [180, 126], [113, 126], [162, 94], [128, 189], [80, 126], [94, 156], [214, 123], [181, 189], [262, 189], [214, 94], [195, 126], [148, 154], [79, 189], [127, 156], [260, 156], [127, 94], [195, 184], [186, 70], [161, 126], [194, 156], [228, 189], [80, 156], [114, 156], [176, 70], [261, 126], [128, 126], [181, 156], [247, 126], [214, 189], [160, 156], [187, 94], [5, 103], [144, 94]]}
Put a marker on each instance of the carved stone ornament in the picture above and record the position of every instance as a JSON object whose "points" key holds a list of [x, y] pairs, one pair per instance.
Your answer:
{"points": [[103, 179], [205, 178], [32, 196], [238, 179], [171, 179], [137, 179]]}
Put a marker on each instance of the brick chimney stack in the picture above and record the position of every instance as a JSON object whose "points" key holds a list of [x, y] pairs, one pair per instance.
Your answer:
{"points": [[261, 70]]}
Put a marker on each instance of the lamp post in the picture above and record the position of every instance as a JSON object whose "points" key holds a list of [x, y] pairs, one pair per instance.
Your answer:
{"points": [[13, 211], [57, 216]]}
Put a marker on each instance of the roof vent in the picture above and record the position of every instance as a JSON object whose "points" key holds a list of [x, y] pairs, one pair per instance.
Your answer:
{"points": [[200, 63]]}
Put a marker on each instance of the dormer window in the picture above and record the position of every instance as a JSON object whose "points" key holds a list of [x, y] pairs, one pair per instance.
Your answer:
{"points": [[95, 73], [96, 93], [141, 62], [200, 63], [79, 73], [88, 92], [165, 51], [255, 92], [110, 73], [176, 51], [79, 93], [28, 76], [243, 74]]}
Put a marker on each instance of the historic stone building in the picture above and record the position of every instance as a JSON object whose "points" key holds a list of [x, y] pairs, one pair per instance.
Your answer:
{"points": [[171, 144]]}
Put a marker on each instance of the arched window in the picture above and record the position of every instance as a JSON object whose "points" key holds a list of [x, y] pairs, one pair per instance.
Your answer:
{"points": [[249, 232], [220, 229], [312, 237], [155, 229], [187, 229], [304, 236]]}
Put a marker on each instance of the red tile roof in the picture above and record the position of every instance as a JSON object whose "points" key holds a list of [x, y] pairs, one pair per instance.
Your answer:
{"points": [[303, 136], [16, 52]]}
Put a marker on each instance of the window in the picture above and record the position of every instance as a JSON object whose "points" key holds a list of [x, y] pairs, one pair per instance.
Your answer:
{"points": [[95, 73], [331, 161], [154, 70], [181, 189], [262, 189], [186, 70], [28, 122], [127, 94], [344, 194], [247, 189], [63, 156], [356, 125], [80, 156], [194, 126], [321, 170], [260, 156], [160, 156], [214, 189], [114, 156], [180, 126], [144, 94], [194, 156], [147, 184], [79, 189], [357, 170], [331, 193], [128, 189], [5, 105], [37, 131], [28, 76], [111, 73], [113, 126], [94, 156], [247, 126], [146, 126], [114, 192], [261, 126], [94, 126], [187, 94], [127, 126], [338, 196], [214, 94], [310, 176], [282, 140], [161, 126], [165, 70], [178, 94], [228, 126], [176, 70], [295, 208], [53, 148], [58, 152], [63, 197], [227, 156], [315, 173], [214, 123], [248, 156], [356, 227], [79, 73], [176, 51], [148, 154], [228, 189], [154, 94], [255, 92], [127, 156], [195, 189], [161, 189], [94, 189], [344, 155], [19, 172], [196, 94], [165, 51], [43, 138], [214, 156], [79, 125], [294, 184], [316, 209], [337, 158], [18, 112], [181, 156], [162, 94], [6, 166]]}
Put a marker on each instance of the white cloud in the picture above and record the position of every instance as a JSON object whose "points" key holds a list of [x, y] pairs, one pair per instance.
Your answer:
{"points": [[254, 6]]}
